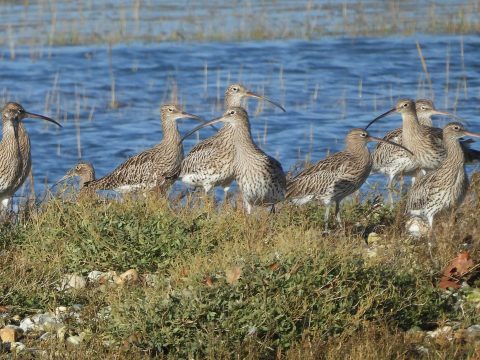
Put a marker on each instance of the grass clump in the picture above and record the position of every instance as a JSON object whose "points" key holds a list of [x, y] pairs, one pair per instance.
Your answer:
{"points": [[272, 307], [226, 285]]}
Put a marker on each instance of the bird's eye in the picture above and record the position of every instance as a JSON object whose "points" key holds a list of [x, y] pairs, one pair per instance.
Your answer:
{"points": [[363, 135], [457, 128], [235, 88], [405, 105], [170, 109], [423, 107], [232, 112]]}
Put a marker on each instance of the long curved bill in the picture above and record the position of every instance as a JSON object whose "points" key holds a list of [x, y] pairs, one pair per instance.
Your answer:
{"points": [[186, 115], [37, 116], [381, 116], [207, 123], [256, 96], [468, 133], [446, 113], [373, 138], [67, 176]]}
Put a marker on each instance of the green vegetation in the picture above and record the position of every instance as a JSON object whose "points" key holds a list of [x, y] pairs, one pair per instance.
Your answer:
{"points": [[218, 284]]}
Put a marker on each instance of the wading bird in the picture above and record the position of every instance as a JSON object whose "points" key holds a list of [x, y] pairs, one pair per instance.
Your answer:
{"points": [[444, 187], [332, 179], [157, 167], [210, 163], [15, 157], [391, 160], [83, 170], [425, 141], [260, 177]]}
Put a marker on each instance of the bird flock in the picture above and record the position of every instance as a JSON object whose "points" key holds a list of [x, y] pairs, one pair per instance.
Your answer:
{"points": [[435, 159]]}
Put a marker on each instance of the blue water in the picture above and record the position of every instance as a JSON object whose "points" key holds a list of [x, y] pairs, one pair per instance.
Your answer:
{"points": [[327, 86]]}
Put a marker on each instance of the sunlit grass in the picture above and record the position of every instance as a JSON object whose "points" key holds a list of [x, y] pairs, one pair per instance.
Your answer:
{"points": [[299, 293]]}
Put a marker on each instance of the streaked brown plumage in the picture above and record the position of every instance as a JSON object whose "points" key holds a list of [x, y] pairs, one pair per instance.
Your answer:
{"points": [[16, 148], [425, 141], [260, 177], [84, 171], [210, 163], [339, 175], [446, 186], [393, 161], [157, 167]]}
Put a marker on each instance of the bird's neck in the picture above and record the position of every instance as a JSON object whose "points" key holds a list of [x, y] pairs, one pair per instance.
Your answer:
{"points": [[425, 120], [455, 156], [232, 101], [170, 132], [411, 131], [358, 150], [10, 131], [242, 139], [90, 176]]}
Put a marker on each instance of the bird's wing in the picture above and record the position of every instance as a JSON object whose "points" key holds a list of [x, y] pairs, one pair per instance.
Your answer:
{"points": [[312, 183], [135, 170], [339, 163], [419, 193]]}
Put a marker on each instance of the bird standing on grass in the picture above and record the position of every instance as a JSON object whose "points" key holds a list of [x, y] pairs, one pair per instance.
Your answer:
{"points": [[339, 175], [157, 167], [15, 154], [391, 160], [444, 187], [426, 142], [210, 163], [260, 177]]}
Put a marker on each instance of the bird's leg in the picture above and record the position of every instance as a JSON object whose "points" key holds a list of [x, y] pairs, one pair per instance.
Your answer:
{"points": [[226, 197], [431, 245], [327, 213], [431, 239], [390, 187], [225, 193], [248, 207], [337, 215], [209, 195], [272, 209]]}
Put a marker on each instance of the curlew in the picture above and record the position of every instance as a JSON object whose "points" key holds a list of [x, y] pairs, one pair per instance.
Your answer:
{"points": [[210, 163], [444, 187], [157, 167], [260, 177], [393, 161], [339, 175], [83, 170], [425, 141], [15, 158]]}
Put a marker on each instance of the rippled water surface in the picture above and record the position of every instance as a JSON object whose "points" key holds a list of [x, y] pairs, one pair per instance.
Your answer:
{"points": [[327, 86]]}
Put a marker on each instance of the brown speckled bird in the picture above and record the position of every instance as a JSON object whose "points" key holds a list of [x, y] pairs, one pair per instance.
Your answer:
{"points": [[260, 177], [15, 150], [157, 167], [339, 175], [444, 187], [425, 141], [393, 161], [83, 170], [210, 163]]}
